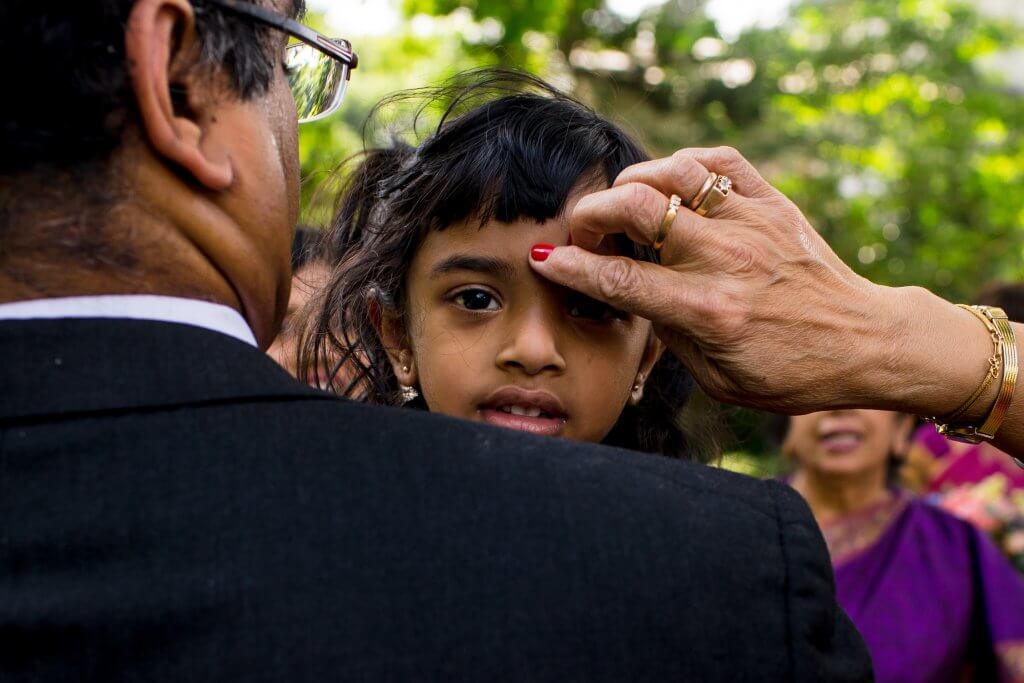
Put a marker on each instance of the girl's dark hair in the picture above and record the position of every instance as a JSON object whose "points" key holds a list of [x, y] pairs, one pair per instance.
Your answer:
{"points": [[307, 247], [508, 147]]}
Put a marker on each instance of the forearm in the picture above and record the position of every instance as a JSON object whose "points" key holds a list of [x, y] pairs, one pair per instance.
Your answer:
{"points": [[939, 360]]}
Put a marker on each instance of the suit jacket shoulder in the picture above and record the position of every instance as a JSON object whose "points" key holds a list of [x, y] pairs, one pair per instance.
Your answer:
{"points": [[174, 507]]}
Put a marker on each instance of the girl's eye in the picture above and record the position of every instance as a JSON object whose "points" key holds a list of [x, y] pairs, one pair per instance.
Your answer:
{"points": [[580, 306], [476, 300]]}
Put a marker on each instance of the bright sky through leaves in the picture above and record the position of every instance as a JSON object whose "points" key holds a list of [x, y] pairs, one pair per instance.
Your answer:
{"points": [[378, 17], [359, 17]]}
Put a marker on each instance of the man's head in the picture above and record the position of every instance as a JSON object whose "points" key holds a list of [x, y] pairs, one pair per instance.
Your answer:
{"points": [[147, 145]]}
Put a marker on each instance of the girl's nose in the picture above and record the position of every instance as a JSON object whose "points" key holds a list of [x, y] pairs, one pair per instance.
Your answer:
{"points": [[531, 346]]}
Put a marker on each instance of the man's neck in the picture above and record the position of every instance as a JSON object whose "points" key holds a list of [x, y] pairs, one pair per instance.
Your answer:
{"points": [[161, 238], [156, 269]]}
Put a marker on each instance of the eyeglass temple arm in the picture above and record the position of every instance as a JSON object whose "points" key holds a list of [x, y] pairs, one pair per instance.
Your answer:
{"points": [[338, 49]]}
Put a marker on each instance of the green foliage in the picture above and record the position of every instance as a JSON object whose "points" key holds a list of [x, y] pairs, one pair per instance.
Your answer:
{"points": [[874, 116], [902, 153], [562, 19]]}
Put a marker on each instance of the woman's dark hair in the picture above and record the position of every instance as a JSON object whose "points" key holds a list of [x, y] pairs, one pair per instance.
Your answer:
{"points": [[1007, 296], [508, 147]]}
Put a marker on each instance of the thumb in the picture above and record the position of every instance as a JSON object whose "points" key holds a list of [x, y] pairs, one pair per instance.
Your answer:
{"points": [[638, 287]]}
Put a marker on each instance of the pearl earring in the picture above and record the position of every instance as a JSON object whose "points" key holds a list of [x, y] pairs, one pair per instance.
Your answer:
{"points": [[638, 390]]}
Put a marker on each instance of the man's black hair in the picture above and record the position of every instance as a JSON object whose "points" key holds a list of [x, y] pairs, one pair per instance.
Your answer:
{"points": [[67, 89], [509, 147]]}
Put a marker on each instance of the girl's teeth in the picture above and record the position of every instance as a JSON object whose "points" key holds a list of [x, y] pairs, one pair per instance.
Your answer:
{"points": [[524, 412]]}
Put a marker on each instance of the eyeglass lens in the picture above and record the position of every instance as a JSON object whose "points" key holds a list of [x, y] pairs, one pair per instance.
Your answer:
{"points": [[317, 81]]}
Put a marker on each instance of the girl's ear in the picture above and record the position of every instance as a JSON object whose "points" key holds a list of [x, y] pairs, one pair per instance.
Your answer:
{"points": [[391, 330], [652, 352]]}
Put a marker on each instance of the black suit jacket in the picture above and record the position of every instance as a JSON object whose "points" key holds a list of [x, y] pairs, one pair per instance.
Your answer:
{"points": [[174, 507]]}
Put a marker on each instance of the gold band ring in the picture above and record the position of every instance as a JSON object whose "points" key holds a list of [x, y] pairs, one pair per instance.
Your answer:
{"points": [[674, 202], [702, 193], [716, 196]]}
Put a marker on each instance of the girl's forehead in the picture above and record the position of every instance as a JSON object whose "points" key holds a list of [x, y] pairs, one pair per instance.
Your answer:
{"points": [[512, 241], [497, 237]]}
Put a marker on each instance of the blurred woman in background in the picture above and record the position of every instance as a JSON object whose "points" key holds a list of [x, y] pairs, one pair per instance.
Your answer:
{"points": [[934, 599]]}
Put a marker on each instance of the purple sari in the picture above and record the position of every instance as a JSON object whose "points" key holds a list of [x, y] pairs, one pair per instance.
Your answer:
{"points": [[934, 599]]}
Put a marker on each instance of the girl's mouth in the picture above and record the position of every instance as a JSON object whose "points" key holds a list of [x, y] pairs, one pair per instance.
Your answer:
{"points": [[536, 412]]}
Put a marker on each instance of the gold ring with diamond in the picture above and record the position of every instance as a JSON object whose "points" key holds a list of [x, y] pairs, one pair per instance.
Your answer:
{"points": [[674, 203], [715, 197]]}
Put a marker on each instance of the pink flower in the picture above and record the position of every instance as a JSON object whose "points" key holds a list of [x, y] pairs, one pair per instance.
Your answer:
{"points": [[963, 503]]}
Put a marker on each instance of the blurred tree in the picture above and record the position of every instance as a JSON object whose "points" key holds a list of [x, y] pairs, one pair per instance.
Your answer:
{"points": [[560, 20], [876, 119]]}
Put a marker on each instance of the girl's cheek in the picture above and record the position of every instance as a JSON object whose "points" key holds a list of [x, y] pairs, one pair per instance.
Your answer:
{"points": [[449, 359]]}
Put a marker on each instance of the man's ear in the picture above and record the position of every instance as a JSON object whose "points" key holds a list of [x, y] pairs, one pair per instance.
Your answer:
{"points": [[162, 46], [391, 331]]}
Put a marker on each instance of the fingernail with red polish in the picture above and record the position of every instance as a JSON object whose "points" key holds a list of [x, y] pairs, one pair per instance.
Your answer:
{"points": [[540, 252]]}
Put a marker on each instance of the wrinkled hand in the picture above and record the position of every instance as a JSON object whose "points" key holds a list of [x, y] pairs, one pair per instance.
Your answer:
{"points": [[750, 298]]}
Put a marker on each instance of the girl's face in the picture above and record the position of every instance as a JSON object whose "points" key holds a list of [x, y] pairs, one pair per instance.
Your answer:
{"points": [[844, 443], [487, 340]]}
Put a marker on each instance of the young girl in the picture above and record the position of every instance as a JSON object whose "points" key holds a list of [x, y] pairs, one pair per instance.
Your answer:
{"points": [[434, 304]]}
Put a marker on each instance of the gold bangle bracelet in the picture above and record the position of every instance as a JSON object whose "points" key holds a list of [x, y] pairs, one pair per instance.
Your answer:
{"points": [[1010, 370], [1005, 359], [994, 364]]}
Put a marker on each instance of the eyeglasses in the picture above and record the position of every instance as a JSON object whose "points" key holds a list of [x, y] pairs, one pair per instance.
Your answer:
{"points": [[318, 67]]}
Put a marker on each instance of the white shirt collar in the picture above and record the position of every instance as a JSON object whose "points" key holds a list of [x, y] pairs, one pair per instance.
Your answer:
{"points": [[168, 309]]}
